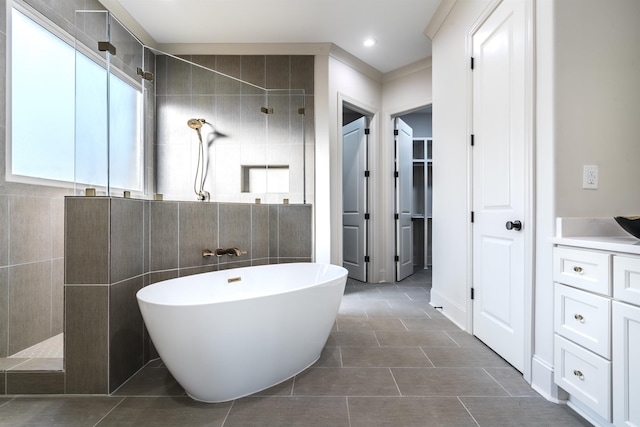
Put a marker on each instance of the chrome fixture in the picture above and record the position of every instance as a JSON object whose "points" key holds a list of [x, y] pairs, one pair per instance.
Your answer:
{"points": [[196, 124], [219, 252]]}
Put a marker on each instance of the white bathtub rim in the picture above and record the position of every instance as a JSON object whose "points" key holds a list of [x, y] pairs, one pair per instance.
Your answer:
{"points": [[141, 295]]}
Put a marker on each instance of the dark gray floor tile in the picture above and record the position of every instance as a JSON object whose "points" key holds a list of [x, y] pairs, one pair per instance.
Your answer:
{"points": [[283, 389], [465, 339], [10, 363], [282, 412], [385, 294], [512, 381], [352, 338], [430, 324], [399, 311], [166, 411], [414, 338], [40, 364], [151, 382], [351, 308], [449, 357], [364, 324], [408, 412], [446, 382], [345, 382], [330, 358], [55, 411], [520, 412], [380, 357]]}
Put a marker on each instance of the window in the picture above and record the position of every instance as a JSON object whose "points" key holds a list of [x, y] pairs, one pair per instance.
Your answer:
{"points": [[65, 108]]}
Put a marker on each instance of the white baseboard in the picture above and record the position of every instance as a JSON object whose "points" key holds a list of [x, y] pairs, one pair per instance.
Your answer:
{"points": [[451, 310], [542, 381]]}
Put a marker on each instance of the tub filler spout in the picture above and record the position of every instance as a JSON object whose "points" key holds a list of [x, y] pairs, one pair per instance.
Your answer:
{"points": [[219, 252]]}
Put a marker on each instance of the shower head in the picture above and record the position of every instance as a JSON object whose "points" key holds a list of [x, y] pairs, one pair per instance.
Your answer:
{"points": [[196, 123]]}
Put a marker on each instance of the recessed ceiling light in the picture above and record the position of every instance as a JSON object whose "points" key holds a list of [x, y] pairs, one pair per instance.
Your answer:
{"points": [[369, 42]]}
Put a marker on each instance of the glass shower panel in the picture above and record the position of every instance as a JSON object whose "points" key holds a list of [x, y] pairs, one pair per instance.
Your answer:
{"points": [[109, 153], [285, 156], [91, 135]]}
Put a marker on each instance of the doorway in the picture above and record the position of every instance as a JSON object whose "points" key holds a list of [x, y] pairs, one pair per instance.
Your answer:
{"points": [[413, 190], [355, 192], [499, 194]]}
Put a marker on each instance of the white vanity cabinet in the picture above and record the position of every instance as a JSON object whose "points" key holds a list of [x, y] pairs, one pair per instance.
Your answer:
{"points": [[626, 341], [597, 328], [582, 325]]}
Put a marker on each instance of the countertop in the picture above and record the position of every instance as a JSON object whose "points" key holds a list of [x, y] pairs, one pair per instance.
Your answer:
{"points": [[595, 233]]}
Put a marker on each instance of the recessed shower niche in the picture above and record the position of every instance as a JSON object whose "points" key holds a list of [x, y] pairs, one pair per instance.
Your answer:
{"points": [[271, 179]]}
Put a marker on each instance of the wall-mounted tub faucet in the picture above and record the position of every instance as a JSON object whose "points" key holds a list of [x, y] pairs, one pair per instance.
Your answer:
{"points": [[219, 252]]}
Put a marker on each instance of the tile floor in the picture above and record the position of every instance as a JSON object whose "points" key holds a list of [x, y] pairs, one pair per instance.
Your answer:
{"points": [[392, 360]]}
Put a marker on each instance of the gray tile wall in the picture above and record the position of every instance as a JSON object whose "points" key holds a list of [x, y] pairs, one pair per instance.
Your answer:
{"points": [[184, 91], [31, 225], [107, 240]]}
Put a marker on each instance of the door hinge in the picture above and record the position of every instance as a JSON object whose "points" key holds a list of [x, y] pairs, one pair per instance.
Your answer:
{"points": [[366, 131], [366, 174], [396, 258], [473, 216], [472, 294], [367, 216], [396, 216], [396, 174], [367, 258], [473, 142], [396, 132], [472, 63]]}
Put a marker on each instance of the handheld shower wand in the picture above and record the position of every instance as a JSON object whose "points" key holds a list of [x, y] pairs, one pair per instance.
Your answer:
{"points": [[200, 193]]}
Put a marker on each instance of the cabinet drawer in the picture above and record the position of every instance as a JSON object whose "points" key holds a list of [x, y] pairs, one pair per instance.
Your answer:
{"points": [[584, 318], [626, 279], [584, 375], [583, 269]]}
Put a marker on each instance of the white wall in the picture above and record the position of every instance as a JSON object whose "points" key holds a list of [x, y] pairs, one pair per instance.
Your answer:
{"points": [[450, 153], [588, 65], [542, 363], [587, 86], [360, 86], [402, 91], [597, 88]]}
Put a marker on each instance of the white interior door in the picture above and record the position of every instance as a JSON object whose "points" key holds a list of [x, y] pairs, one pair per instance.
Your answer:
{"points": [[404, 188], [354, 199], [498, 182]]}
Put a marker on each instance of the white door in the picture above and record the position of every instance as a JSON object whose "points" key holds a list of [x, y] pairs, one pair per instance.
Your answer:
{"points": [[498, 182], [404, 189], [354, 199]]}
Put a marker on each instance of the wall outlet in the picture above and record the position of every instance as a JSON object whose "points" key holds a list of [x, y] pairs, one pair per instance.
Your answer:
{"points": [[590, 177]]}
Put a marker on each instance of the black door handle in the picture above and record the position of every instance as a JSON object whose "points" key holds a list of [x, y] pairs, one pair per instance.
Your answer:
{"points": [[515, 225]]}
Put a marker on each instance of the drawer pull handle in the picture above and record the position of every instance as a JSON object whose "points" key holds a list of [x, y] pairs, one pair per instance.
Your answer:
{"points": [[579, 317], [577, 269], [578, 374]]}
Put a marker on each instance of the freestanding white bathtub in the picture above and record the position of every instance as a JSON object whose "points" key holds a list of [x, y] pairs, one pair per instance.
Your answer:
{"points": [[231, 333]]}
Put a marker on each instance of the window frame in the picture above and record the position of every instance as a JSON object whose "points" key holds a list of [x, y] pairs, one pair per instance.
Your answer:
{"points": [[67, 38]]}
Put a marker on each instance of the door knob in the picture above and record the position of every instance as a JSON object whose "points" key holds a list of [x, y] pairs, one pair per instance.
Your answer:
{"points": [[515, 225]]}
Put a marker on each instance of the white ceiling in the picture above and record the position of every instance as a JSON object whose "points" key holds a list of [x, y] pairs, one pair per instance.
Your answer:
{"points": [[397, 25]]}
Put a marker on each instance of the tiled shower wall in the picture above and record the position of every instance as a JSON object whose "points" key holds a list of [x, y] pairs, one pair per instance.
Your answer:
{"points": [[31, 225], [116, 246], [185, 90]]}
